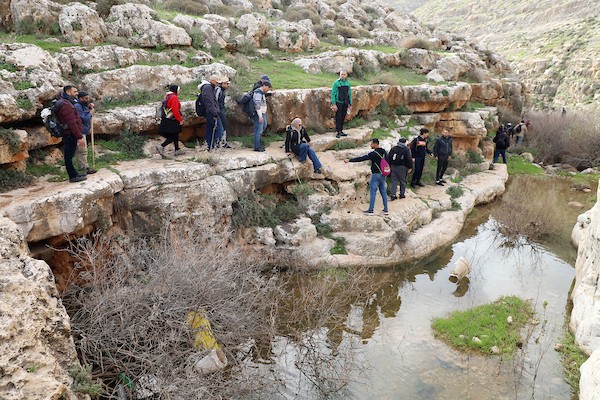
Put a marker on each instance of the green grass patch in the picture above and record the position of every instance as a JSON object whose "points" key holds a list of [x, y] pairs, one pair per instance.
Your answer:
{"points": [[247, 141], [37, 39], [24, 103], [45, 169], [22, 85], [572, 357], [344, 145], [455, 192], [487, 322], [519, 165], [380, 133], [472, 106], [11, 179], [8, 67], [340, 246], [11, 138]]}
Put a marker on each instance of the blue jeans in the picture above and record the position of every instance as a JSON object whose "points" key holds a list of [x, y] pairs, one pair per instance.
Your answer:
{"points": [[497, 153], [519, 139], [306, 150], [259, 128], [214, 130], [377, 182]]}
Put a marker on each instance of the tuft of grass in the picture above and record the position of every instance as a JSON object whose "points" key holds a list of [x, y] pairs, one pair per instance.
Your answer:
{"points": [[471, 106], [474, 157], [340, 246], [455, 192], [489, 323], [23, 85], [380, 133], [83, 383], [302, 190], [8, 67], [11, 179], [344, 145], [37, 39], [24, 103], [518, 165], [572, 357], [8, 135]]}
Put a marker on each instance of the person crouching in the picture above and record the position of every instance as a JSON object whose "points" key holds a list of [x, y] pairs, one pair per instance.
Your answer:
{"points": [[298, 142]]}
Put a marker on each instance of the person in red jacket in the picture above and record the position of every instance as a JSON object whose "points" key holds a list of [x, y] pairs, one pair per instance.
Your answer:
{"points": [[170, 124], [73, 134]]}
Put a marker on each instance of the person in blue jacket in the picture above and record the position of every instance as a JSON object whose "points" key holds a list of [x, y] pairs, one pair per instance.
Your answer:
{"points": [[85, 109]]}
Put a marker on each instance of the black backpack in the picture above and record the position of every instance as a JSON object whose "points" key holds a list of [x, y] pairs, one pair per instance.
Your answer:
{"points": [[200, 107], [51, 121], [396, 156], [247, 104]]}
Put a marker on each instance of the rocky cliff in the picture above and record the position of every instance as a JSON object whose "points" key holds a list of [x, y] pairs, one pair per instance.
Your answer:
{"points": [[553, 46], [585, 317]]}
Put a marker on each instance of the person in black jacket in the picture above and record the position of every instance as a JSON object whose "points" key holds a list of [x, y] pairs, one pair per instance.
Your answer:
{"points": [[502, 143], [442, 150], [213, 123], [400, 161], [377, 181], [298, 142], [72, 135], [419, 150], [220, 95]]}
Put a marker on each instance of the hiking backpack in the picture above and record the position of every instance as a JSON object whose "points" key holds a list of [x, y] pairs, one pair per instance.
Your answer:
{"points": [[247, 104], [51, 121], [396, 156], [162, 111], [384, 167], [518, 128]]}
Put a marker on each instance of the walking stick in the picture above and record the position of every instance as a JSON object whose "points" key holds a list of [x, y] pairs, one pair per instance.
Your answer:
{"points": [[93, 148]]}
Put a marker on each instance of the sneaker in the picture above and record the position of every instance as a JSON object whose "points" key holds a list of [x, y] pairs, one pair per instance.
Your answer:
{"points": [[439, 183], [78, 178], [385, 212], [369, 213], [160, 149], [420, 184], [338, 135], [260, 149], [443, 181], [402, 196], [343, 134], [179, 152], [90, 171], [392, 198], [318, 171], [227, 146]]}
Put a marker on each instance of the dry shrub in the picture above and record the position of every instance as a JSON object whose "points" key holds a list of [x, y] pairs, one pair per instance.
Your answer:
{"points": [[571, 139], [186, 6], [508, 115], [103, 6], [527, 212], [347, 31], [129, 304], [416, 42], [476, 75]]}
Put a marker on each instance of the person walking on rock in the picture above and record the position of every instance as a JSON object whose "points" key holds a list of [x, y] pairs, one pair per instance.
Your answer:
{"points": [[377, 182], [502, 143], [401, 163], [260, 117], [419, 150], [341, 102], [298, 142], [220, 95], [85, 109], [73, 134], [214, 128], [170, 123], [442, 150]]}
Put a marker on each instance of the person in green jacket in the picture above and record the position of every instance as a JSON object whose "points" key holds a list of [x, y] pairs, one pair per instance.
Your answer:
{"points": [[341, 102]]}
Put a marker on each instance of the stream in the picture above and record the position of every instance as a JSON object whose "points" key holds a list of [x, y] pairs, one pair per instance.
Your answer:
{"points": [[399, 358]]}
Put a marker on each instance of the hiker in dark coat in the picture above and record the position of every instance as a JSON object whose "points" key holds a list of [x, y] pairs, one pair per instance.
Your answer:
{"points": [[170, 123], [220, 95], [419, 150], [400, 161], [85, 109], [214, 128], [298, 142], [341, 102], [502, 143], [73, 134], [377, 181], [442, 150]]}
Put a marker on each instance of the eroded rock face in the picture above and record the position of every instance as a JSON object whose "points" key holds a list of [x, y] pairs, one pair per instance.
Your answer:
{"points": [[208, 28], [589, 384], [295, 37], [466, 128], [109, 57], [39, 15], [14, 150], [81, 24], [36, 348], [254, 26], [141, 26], [5, 15]]}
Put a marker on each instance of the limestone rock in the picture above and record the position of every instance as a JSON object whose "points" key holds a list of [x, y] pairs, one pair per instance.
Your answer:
{"points": [[297, 233], [575, 204], [209, 29], [35, 326], [467, 129], [295, 37], [38, 13], [421, 59], [258, 235], [254, 26], [402, 22], [495, 350], [589, 384], [13, 149], [81, 24], [100, 58], [585, 317], [5, 15], [141, 26], [475, 339], [451, 68]]}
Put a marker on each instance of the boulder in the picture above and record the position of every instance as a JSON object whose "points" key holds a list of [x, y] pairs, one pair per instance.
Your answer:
{"points": [[401, 22], [466, 128], [451, 68], [81, 24], [421, 59], [13, 146], [254, 26], [142, 27], [36, 349], [295, 37], [528, 157], [296, 233], [100, 58], [34, 16], [208, 29], [589, 384], [425, 98], [245, 4]]}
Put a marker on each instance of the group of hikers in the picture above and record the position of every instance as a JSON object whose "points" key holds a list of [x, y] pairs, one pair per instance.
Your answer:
{"points": [[505, 134]]}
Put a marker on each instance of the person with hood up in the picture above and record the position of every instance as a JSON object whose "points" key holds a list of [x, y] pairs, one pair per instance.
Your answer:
{"points": [[298, 142], [214, 127], [442, 150], [170, 123], [73, 133], [400, 161], [377, 181]]}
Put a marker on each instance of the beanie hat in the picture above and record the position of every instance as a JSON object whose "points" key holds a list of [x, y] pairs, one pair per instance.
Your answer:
{"points": [[174, 88], [265, 78], [402, 140]]}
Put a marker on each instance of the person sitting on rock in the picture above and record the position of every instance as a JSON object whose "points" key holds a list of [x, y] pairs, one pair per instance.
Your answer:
{"points": [[502, 143], [73, 134], [85, 108], [400, 162], [170, 123], [377, 181], [341, 102], [298, 142]]}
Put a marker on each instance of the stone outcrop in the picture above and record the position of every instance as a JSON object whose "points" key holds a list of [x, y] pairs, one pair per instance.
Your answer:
{"points": [[585, 316], [36, 348], [34, 15], [81, 24], [142, 27], [210, 30], [295, 37], [14, 149], [254, 26]]}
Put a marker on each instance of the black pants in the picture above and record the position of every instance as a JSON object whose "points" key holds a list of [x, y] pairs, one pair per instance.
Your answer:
{"points": [[442, 165], [419, 164], [340, 116], [70, 147], [170, 129]]}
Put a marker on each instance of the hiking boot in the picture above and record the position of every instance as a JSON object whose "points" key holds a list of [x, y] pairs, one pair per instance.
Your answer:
{"points": [[179, 152], [160, 149], [439, 183], [90, 171], [386, 212], [392, 198], [78, 178], [402, 196], [318, 171], [343, 134], [227, 146], [338, 135], [369, 213]]}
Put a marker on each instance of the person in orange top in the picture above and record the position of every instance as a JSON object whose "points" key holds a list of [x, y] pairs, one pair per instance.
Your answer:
{"points": [[170, 123]]}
